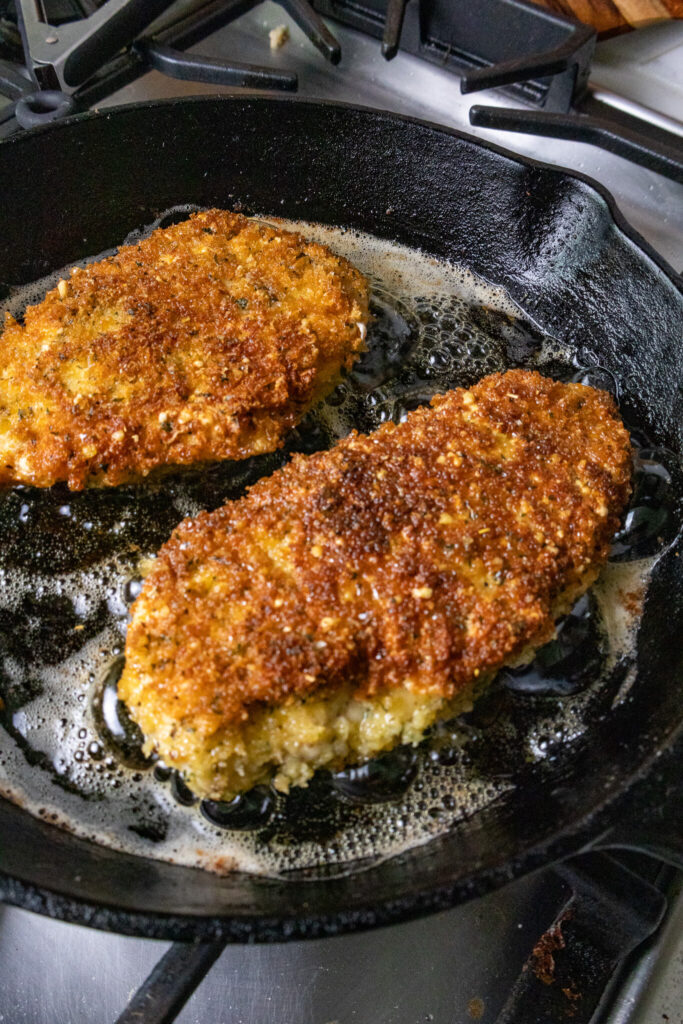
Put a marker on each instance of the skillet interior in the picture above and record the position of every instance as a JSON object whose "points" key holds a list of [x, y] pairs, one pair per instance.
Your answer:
{"points": [[551, 240]]}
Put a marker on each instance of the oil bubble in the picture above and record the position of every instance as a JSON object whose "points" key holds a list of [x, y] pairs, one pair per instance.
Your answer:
{"points": [[569, 662], [384, 778], [245, 813], [118, 732]]}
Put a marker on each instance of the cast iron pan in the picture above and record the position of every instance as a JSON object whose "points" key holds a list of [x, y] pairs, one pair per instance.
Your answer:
{"points": [[558, 245]]}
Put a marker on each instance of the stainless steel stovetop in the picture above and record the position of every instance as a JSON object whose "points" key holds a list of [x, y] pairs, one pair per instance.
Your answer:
{"points": [[453, 967]]}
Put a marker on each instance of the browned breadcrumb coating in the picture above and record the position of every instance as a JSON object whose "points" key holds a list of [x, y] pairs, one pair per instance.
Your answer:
{"points": [[394, 570], [208, 340]]}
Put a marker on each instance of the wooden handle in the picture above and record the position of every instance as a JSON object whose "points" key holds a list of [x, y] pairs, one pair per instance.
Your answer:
{"points": [[611, 16]]}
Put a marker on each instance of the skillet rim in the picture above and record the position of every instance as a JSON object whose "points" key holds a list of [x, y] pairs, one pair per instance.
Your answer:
{"points": [[569, 840], [618, 217], [591, 832]]}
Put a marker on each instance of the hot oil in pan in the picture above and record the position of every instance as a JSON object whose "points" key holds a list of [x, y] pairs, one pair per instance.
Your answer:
{"points": [[71, 565]]}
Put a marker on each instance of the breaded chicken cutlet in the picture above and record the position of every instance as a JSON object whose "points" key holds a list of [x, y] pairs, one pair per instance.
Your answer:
{"points": [[359, 594], [207, 340]]}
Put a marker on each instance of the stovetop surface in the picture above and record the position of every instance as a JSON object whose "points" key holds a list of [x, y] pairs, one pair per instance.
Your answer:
{"points": [[427, 970], [453, 967], [649, 72]]}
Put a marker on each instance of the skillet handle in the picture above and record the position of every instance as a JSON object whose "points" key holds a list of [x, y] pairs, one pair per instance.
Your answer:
{"points": [[650, 819], [640, 143], [611, 911]]}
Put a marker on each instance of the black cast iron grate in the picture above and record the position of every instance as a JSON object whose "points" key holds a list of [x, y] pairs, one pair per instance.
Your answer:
{"points": [[534, 55], [69, 54], [76, 52]]}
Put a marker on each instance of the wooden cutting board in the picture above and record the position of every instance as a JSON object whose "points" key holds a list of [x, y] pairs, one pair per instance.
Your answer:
{"points": [[611, 16]]}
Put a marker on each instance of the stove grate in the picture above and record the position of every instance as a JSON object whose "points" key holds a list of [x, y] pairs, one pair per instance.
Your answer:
{"points": [[75, 54], [617, 902], [537, 56], [534, 55]]}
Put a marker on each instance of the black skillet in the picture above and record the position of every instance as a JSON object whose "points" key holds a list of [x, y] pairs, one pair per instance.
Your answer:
{"points": [[557, 244]]}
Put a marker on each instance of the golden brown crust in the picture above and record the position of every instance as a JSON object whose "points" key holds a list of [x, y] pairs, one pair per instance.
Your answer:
{"points": [[419, 556], [208, 340]]}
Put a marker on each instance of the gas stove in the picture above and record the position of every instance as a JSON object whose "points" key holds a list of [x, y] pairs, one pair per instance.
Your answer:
{"points": [[469, 963]]}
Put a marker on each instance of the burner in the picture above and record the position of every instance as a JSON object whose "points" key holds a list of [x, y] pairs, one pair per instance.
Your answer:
{"points": [[535, 55], [72, 55], [615, 904], [80, 52]]}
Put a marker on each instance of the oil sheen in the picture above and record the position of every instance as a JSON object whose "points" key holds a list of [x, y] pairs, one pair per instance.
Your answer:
{"points": [[71, 565]]}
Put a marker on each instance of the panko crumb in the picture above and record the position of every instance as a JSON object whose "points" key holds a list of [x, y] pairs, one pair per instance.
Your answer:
{"points": [[278, 37]]}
